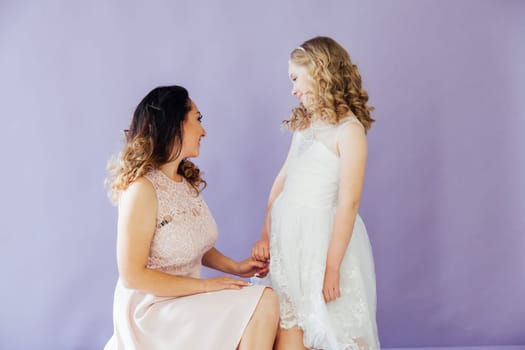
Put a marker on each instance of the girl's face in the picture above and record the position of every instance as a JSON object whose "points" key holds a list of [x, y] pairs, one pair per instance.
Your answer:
{"points": [[192, 133], [302, 83]]}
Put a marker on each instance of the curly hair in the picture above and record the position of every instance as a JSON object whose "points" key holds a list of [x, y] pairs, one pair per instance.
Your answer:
{"points": [[155, 130], [337, 87]]}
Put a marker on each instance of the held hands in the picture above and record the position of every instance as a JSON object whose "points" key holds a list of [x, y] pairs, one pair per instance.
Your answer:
{"points": [[261, 249], [250, 267], [331, 289], [245, 268]]}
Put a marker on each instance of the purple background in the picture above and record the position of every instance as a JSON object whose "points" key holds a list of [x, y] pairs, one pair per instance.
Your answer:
{"points": [[444, 198]]}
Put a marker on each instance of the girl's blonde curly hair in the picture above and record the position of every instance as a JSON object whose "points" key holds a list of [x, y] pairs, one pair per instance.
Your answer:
{"points": [[336, 89], [155, 131]]}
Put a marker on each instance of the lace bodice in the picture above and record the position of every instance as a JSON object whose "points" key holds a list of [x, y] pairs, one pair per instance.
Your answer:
{"points": [[314, 160], [185, 228]]}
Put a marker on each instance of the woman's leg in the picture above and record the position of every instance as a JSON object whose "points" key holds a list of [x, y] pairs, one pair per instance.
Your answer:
{"points": [[262, 328], [290, 339]]}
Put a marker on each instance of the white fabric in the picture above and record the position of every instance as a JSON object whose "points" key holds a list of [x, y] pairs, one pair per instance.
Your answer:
{"points": [[302, 217]]}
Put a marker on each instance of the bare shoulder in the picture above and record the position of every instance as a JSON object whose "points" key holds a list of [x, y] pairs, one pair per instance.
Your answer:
{"points": [[351, 137], [352, 128], [141, 192]]}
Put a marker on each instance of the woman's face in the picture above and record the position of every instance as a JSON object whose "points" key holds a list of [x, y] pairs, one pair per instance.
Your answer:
{"points": [[302, 83], [192, 132]]}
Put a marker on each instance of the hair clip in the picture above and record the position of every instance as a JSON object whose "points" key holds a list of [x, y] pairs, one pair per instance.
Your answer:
{"points": [[154, 107]]}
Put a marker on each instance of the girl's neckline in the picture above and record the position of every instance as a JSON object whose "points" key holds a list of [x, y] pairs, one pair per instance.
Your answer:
{"points": [[321, 125]]}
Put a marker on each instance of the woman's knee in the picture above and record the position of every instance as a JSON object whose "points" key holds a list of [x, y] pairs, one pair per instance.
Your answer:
{"points": [[269, 304]]}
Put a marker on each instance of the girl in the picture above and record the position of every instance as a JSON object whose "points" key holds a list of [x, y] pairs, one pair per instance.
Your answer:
{"points": [[321, 262]]}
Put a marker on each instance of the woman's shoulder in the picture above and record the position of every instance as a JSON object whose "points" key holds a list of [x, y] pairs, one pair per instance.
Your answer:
{"points": [[142, 189], [144, 182]]}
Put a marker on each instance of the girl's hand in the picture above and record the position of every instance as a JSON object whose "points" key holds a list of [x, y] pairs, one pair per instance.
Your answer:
{"points": [[250, 267], [331, 289], [223, 282], [261, 250]]}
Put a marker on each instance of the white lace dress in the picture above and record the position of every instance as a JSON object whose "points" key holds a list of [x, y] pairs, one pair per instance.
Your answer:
{"points": [[216, 320], [302, 217]]}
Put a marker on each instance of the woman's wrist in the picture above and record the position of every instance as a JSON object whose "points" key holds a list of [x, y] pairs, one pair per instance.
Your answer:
{"points": [[236, 268], [204, 285]]}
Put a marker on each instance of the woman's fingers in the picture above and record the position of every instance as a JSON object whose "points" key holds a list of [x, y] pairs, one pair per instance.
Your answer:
{"points": [[233, 283], [226, 282], [258, 264]]}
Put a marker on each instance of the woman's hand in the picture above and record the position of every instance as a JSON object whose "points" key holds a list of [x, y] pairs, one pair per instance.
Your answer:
{"points": [[331, 289], [250, 267], [261, 249], [223, 282]]}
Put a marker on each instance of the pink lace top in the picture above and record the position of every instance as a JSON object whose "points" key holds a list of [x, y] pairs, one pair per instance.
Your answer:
{"points": [[185, 228]]}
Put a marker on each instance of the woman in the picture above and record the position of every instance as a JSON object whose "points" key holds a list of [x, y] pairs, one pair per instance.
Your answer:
{"points": [[165, 233]]}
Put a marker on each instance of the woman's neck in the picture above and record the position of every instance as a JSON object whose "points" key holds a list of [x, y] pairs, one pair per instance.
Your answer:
{"points": [[170, 170]]}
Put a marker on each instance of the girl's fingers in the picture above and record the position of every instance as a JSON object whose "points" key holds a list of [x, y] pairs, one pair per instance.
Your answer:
{"points": [[331, 294], [259, 253]]}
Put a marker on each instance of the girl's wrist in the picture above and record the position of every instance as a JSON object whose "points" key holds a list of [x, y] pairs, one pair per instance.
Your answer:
{"points": [[332, 265]]}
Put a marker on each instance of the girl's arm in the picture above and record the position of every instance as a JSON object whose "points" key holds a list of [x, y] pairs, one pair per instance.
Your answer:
{"points": [[261, 249], [352, 149], [136, 226]]}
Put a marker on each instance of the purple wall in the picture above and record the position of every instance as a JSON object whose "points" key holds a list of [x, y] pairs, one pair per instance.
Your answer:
{"points": [[444, 196]]}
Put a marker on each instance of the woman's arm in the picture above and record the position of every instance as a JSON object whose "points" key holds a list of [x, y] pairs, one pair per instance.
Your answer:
{"points": [[136, 226], [352, 148], [247, 268]]}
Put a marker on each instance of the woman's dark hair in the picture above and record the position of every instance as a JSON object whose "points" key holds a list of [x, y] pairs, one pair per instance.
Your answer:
{"points": [[155, 131], [159, 117]]}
